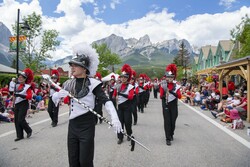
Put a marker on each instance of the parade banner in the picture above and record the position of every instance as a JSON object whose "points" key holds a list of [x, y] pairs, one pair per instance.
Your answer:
{"points": [[13, 43]]}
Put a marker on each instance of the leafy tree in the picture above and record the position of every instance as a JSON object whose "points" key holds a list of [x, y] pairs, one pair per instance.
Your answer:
{"points": [[107, 59], [39, 43], [241, 34]]}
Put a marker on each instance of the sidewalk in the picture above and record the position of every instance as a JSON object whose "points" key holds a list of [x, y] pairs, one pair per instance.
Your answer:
{"points": [[240, 132]]}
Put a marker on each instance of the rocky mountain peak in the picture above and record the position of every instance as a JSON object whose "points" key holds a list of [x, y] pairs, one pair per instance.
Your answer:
{"points": [[5, 34]]}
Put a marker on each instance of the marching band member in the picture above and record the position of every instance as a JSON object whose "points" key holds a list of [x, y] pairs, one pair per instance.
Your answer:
{"points": [[111, 88], [142, 90], [134, 101], [170, 93], [98, 103], [81, 129], [125, 92], [22, 94], [52, 108]]}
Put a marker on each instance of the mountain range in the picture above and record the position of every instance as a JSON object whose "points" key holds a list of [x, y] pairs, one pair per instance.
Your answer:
{"points": [[132, 51]]}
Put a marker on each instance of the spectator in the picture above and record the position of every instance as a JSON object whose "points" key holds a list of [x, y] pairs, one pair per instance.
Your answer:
{"points": [[213, 100], [231, 87], [235, 102], [197, 97], [5, 91], [12, 86], [242, 107]]}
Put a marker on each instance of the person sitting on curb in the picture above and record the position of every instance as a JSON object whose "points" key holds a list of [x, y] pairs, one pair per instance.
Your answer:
{"points": [[242, 107]]}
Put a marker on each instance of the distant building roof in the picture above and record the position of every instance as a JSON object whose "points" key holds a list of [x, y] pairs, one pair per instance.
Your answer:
{"points": [[205, 51], [227, 45], [6, 69]]}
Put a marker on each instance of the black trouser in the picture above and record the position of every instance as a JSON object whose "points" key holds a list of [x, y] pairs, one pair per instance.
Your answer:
{"points": [[53, 110], [147, 95], [125, 116], [81, 133], [20, 122], [170, 114], [134, 108], [141, 101], [155, 93]]}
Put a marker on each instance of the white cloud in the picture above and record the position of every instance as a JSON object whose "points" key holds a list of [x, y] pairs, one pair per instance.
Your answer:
{"points": [[75, 26], [114, 3], [227, 3]]}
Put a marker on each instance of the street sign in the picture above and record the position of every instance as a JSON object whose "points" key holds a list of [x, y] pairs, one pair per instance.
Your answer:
{"points": [[22, 43]]}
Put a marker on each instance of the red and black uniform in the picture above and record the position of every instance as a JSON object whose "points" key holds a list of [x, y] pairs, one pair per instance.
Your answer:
{"points": [[134, 102], [23, 94], [170, 107], [52, 108], [125, 94]]}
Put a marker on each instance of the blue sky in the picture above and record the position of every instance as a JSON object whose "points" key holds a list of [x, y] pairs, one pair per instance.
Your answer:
{"points": [[198, 21]]}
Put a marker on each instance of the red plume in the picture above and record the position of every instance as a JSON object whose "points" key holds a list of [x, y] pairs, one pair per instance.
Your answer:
{"points": [[133, 74], [98, 75], [30, 76], [112, 77], [127, 69], [172, 68], [55, 72]]}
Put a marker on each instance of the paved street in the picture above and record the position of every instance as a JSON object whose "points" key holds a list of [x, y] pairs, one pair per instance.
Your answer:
{"points": [[199, 140]]}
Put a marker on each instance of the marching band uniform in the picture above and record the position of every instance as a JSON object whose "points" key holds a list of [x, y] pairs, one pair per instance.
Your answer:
{"points": [[98, 103], [134, 101], [125, 93], [155, 88], [170, 93], [23, 94], [81, 129], [147, 91], [52, 108], [141, 96], [111, 88]]}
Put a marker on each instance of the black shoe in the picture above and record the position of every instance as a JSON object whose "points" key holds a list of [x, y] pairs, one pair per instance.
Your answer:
{"points": [[135, 123], [54, 124], [29, 134], [171, 138], [100, 121], [128, 139], [168, 142], [120, 141], [17, 139], [214, 114]]}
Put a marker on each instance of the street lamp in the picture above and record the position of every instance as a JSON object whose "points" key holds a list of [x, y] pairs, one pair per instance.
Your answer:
{"points": [[26, 27]]}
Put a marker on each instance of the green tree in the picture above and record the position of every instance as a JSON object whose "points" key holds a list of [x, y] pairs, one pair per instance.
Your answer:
{"points": [[182, 60], [39, 44], [241, 34], [107, 58]]}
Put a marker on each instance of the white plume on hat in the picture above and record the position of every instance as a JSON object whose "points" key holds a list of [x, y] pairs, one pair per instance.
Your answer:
{"points": [[84, 48]]}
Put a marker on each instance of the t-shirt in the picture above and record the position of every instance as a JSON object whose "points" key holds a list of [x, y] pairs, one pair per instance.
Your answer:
{"points": [[197, 96]]}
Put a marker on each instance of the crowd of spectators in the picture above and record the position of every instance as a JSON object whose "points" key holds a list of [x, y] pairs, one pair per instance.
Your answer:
{"points": [[230, 105]]}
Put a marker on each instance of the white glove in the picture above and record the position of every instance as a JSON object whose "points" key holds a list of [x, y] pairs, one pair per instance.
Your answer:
{"points": [[117, 125], [56, 97]]}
